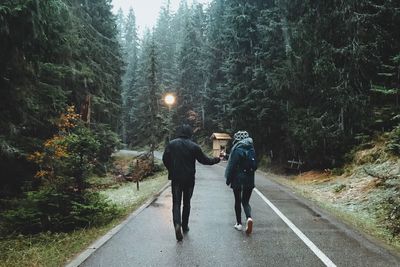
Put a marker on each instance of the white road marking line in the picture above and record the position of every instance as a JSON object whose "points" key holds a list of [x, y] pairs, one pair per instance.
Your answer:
{"points": [[297, 231]]}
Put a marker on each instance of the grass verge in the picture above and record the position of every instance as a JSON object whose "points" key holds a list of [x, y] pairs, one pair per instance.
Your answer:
{"points": [[55, 249], [358, 218]]}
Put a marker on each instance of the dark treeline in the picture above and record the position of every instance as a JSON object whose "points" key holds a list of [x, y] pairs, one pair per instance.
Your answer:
{"points": [[307, 79], [52, 54]]}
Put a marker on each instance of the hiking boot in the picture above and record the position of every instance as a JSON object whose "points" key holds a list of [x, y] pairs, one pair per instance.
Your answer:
{"points": [[178, 232], [238, 227], [249, 226], [185, 229]]}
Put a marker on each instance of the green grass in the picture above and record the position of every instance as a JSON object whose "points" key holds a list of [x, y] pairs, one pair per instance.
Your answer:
{"points": [[55, 249], [127, 195]]}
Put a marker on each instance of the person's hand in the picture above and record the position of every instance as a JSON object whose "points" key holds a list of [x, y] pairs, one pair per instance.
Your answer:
{"points": [[227, 183], [217, 160]]}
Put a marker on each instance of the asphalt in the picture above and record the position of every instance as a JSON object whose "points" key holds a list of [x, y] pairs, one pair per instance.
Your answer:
{"points": [[148, 239]]}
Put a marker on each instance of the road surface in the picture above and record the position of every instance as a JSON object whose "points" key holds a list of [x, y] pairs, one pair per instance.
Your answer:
{"points": [[287, 232]]}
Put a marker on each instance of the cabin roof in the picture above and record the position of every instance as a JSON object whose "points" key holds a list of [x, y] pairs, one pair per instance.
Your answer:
{"points": [[221, 136]]}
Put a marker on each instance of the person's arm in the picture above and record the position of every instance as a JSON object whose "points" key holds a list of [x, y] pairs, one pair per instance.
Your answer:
{"points": [[230, 168], [203, 159], [166, 158]]}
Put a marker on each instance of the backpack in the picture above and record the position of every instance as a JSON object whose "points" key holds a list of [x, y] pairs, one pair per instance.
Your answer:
{"points": [[250, 162]]}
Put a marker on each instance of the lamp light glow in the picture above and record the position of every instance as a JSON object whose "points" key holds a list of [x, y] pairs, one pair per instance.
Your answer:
{"points": [[169, 99]]}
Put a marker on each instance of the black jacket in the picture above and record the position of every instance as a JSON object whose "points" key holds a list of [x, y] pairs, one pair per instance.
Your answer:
{"points": [[180, 157]]}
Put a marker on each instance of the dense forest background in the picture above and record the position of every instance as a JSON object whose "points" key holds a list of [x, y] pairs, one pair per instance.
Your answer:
{"points": [[308, 80], [55, 54]]}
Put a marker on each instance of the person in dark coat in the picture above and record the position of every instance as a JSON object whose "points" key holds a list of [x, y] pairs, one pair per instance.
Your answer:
{"points": [[179, 158], [240, 179]]}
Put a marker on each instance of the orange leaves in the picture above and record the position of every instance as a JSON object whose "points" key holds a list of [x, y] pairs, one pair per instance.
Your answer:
{"points": [[41, 174], [69, 120], [36, 157], [56, 147], [54, 150]]}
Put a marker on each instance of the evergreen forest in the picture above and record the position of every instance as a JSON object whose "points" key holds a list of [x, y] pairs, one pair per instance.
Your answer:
{"points": [[309, 80]]}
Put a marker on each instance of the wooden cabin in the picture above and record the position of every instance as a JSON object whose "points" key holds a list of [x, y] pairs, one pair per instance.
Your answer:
{"points": [[220, 142]]}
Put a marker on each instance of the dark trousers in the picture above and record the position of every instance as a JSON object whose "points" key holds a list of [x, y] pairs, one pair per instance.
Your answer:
{"points": [[179, 191], [242, 197]]}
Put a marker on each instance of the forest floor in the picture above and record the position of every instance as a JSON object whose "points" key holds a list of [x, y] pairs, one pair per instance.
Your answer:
{"points": [[364, 193], [55, 249]]}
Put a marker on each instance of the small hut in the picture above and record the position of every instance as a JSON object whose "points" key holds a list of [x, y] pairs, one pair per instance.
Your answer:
{"points": [[220, 141]]}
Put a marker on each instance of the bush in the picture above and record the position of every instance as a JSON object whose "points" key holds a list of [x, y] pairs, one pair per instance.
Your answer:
{"points": [[394, 142], [158, 167], [62, 202], [338, 188], [71, 153], [391, 208], [52, 210], [108, 143]]}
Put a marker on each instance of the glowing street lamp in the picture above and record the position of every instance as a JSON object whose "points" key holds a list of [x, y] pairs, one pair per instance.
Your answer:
{"points": [[169, 99]]}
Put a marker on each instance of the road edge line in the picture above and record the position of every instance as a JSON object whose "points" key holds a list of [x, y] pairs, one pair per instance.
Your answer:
{"points": [[297, 231], [84, 255]]}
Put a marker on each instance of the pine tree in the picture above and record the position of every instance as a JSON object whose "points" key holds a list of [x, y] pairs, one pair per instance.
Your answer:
{"points": [[164, 36], [131, 50], [191, 92], [215, 99], [149, 121], [53, 53]]}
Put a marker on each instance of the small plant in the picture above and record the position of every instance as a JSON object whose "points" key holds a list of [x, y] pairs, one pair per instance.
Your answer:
{"points": [[337, 171], [392, 210], [338, 188], [108, 142], [394, 143]]}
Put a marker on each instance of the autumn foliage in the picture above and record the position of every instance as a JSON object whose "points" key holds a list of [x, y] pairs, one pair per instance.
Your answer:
{"points": [[62, 201]]}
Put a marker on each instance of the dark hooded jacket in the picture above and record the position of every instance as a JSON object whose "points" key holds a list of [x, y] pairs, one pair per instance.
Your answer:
{"points": [[234, 173], [180, 157]]}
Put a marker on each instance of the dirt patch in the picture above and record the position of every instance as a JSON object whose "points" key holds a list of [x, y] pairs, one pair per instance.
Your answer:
{"points": [[312, 177]]}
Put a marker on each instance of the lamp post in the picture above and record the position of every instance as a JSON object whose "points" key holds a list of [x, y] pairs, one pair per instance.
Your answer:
{"points": [[169, 100]]}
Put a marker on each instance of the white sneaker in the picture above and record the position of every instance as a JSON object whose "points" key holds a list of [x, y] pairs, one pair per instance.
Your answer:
{"points": [[238, 227], [249, 226]]}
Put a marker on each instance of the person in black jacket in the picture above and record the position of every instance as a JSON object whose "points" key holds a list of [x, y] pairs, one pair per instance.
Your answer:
{"points": [[180, 157]]}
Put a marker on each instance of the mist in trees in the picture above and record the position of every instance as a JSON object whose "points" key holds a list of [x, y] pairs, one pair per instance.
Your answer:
{"points": [[308, 80]]}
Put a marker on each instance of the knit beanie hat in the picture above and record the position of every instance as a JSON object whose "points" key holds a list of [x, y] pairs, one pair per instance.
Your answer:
{"points": [[240, 135]]}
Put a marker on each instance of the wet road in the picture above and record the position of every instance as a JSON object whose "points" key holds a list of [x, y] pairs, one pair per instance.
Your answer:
{"points": [[149, 240]]}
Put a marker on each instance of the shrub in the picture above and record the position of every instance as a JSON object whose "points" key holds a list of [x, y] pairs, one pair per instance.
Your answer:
{"points": [[62, 202], [108, 143], [51, 210], [394, 142], [71, 153], [391, 208], [338, 188]]}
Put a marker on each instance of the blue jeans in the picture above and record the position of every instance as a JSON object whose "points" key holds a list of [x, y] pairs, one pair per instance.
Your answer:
{"points": [[179, 191]]}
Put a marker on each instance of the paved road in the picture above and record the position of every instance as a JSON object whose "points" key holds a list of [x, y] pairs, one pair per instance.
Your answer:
{"points": [[149, 240]]}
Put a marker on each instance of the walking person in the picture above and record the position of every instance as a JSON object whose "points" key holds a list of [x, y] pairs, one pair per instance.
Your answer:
{"points": [[179, 158], [239, 175]]}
